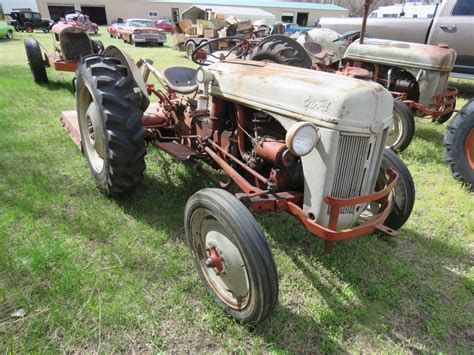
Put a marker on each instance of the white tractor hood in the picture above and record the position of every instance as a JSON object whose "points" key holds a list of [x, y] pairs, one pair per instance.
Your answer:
{"points": [[328, 100]]}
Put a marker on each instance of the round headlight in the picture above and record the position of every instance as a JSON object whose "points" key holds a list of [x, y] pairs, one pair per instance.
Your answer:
{"points": [[301, 138]]}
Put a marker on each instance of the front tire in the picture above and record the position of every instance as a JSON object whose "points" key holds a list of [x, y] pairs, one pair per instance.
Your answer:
{"points": [[244, 282], [459, 145], [109, 114], [36, 61], [9, 35], [403, 129], [403, 193], [190, 47], [443, 118]]}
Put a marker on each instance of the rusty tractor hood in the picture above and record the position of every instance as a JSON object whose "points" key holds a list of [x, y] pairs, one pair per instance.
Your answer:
{"points": [[404, 54], [60, 26], [328, 100]]}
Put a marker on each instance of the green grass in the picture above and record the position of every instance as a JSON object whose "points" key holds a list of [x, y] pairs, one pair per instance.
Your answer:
{"points": [[107, 274]]}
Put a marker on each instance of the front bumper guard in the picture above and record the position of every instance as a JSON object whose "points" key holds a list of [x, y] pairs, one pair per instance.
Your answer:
{"points": [[290, 202]]}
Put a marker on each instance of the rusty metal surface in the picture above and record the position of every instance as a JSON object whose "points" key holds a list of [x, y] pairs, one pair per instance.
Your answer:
{"points": [[441, 104], [367, 4], [233, 174], [176, 150], [275, 152], [403, 54], [61, 65], [71, 126]]}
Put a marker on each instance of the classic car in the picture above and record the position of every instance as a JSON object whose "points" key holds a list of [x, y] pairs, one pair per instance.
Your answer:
{"points": [[136, 31], [29, 21], [6, 31], [112, 29], [75, 19], [164, 25]]}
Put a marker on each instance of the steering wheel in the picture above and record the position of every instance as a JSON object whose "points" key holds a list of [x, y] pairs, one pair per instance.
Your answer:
{"points": [[80, 18], [352, 35], [200, 55]]}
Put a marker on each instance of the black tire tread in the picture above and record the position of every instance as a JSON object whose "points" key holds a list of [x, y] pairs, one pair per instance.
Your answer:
{"points": [[397, 218], [278, 52], [36, 61], [454, 144], [443, 118], [120, 109]]}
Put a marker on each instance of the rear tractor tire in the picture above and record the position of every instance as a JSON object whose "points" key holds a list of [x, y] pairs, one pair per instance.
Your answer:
{"points": [[277, 51], [403, 129], [36, 61], [109, 114], [459, 145], [231, 255]]}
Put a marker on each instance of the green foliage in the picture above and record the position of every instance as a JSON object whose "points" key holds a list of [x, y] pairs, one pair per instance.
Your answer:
{"points": [[114, 274]]}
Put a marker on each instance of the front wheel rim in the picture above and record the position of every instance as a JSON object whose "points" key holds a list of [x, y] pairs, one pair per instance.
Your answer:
{"points": [[190, 49], [92, 139], [210, 241], [395, 133]]}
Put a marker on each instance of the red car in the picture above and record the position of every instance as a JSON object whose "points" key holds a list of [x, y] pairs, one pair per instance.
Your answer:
{"points": [[164, 25], [112, 29]]}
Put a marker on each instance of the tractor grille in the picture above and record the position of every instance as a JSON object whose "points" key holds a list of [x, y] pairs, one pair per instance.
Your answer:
{"points": [[351, 168]]}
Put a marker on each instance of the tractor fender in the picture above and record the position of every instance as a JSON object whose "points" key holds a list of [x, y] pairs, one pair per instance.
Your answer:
{"points": [[125, 59]]}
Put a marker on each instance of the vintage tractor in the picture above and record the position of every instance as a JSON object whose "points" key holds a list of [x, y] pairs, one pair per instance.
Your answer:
{"points": [[459, 145], [70, 42], [292, 140], [416, 75]]}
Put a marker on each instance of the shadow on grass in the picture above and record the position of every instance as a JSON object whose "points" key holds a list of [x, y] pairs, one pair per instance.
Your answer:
{"points": [[393, 281], [406, 291], [403, 290], [58, 85]]}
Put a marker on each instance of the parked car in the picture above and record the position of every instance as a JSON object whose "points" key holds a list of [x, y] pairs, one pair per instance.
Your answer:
{"points": [[78, 19], [136, 31], [6, 31], [164, 25], [452, 24], [112, 29], [291, 28], [29, 21]]}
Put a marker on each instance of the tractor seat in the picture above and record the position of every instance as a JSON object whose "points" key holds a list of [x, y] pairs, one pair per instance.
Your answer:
{"points": [[181, 79]]}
